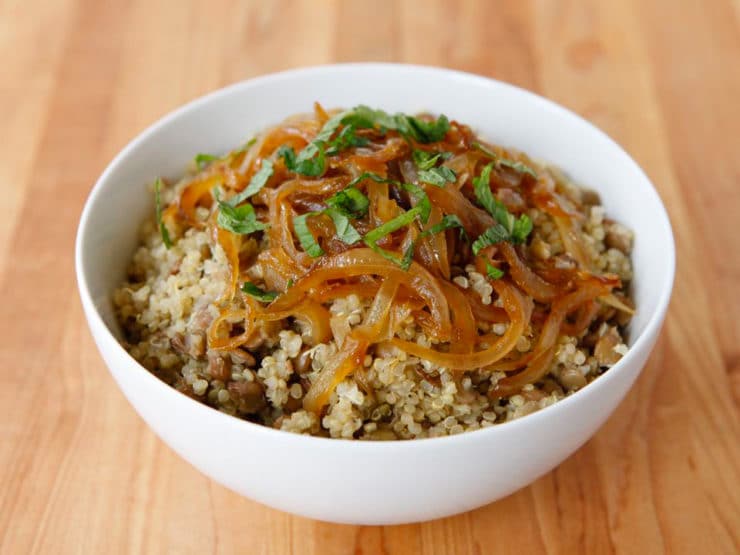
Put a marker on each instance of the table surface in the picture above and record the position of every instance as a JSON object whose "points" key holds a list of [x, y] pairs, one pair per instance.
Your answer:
{"points": [[80, 472]]}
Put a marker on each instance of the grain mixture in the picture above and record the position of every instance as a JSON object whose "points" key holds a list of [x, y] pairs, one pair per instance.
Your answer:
{"points": [[226, 309]]}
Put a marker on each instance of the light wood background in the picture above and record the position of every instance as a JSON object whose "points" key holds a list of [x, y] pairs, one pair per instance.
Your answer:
{"points": [[79, 471]]}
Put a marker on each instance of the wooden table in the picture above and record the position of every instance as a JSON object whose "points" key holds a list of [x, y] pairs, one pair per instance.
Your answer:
{"points": [[80, 472]]}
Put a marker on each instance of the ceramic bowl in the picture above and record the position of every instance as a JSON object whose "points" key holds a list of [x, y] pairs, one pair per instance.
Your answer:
{"points": [[353, 481]]}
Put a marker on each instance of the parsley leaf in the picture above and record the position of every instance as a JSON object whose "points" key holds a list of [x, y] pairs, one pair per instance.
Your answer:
{"points": [[258, 181], [408, 257], [253, 291], [425, 160], [369, 175], [508, 227], [493, 272], [437, 176], [517, 166], [311, 161], [238, 219], [158, 212], [345, 139], [305, 237], [402, 220], [202, 160], [429, 131], [420, 130], [422, 209], [447, 222], [428, 173], [423, 204], [343, 205], [345, 230], [482, 188], [522, 228], [349, 202], [328, 129], [491, 236], [372, 237]]}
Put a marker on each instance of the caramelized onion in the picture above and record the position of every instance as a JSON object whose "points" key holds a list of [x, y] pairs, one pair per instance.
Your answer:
{"points": [[589, 290], [362, 261], [568, 297], [532, 284], [352, 353], [519, 310]]}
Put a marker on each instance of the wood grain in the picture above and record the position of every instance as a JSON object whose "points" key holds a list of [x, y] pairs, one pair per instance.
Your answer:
{"points": [[79, 471]]}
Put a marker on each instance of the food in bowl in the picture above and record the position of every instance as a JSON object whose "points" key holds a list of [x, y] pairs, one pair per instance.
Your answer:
{"points": [[357, 274]]}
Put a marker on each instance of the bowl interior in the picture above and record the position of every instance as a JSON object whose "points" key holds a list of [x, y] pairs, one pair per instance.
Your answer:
{"points": [[501, 113]]}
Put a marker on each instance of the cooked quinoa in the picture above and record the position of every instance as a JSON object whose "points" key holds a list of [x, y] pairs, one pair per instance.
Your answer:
{"points": [[175, 294]]}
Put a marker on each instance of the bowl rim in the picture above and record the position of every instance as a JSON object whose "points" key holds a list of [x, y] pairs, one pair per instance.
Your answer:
{"points": [[483, 434]]}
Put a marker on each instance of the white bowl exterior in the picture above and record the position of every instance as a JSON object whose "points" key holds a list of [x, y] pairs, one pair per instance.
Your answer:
{"points": [[359, 482]]}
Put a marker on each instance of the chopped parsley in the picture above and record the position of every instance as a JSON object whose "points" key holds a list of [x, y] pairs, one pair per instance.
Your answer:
{"points": [[343, 205], [421, 131], [402, 220], [350, 202], [237, 219], [493, 272], [447, 222], [311, 161], [515, 165], [258, 181], [507, 227], [253, 291], [346, 232], [158, 211], [428, 173], [437, 176], [311, 164], [305, 237], [203, 160], [347, 138]]}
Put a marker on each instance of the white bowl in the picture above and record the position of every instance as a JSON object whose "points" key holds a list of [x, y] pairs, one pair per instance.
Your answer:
{"points": [[352, 481]]}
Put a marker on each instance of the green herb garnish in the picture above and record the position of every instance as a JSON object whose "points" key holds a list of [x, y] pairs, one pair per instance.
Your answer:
{"points": [[447, 222], [422, 210], [343, 205], [311, 161], [253, 291], [428, 173], [344, 229], [372, 237], [258, 181], [158, 212], [370, 175], [437, 176], [305, 237], [202, 160], [423, 204], [346, 138], [491, 236], [505, 162], [237, 219], [507, 226], [350, 202], [425, 160], [493, 272], [410, 127]]}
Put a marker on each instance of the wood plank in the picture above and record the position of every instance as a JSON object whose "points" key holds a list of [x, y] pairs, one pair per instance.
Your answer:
{"points": [[81, 473], [31, 48]]}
